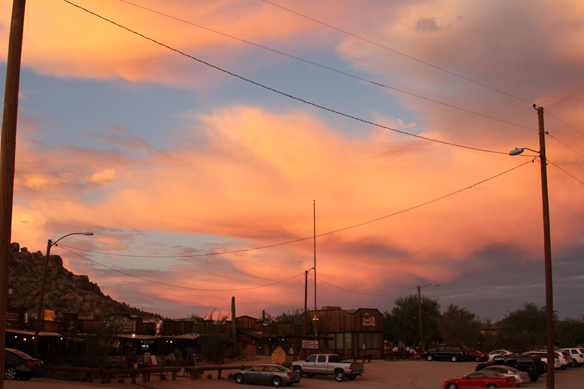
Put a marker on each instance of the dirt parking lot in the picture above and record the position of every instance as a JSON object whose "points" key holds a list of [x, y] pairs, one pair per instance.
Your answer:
{"points": [[392, 374]]}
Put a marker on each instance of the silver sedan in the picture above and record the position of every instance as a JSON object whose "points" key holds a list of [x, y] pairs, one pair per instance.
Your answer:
{"points": [[275, 375], [520, 376]]}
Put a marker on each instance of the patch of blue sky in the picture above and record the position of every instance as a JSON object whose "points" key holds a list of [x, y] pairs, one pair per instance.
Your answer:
{"points": [[66, 110]]}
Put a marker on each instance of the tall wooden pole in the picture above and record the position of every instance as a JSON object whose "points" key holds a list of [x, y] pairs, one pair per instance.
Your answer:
{"points": [[8, 158], [549, 289]]}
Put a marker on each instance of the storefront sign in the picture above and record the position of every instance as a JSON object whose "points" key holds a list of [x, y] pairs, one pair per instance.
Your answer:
{"points": [[312, 344], [368, 321]]}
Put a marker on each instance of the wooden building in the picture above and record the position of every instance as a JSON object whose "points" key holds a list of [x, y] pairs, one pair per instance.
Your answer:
{"points": [[353, 332]]}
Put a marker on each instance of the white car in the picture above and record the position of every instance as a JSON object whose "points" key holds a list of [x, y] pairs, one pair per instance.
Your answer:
{"points": [[494, 353], [521, 377], [576, 354], [543, 356]]}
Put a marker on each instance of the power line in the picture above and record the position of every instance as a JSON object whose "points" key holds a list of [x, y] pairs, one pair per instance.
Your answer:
{"points": [[326, 67], [283, 93], [399, 53], [551, 163], [310, 237], [564, 123], [227, 290], [565, 145], [365, 294], [178, 286]]}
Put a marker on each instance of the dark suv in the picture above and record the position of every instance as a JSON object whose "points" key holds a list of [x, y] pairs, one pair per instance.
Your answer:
{"points": [[452, 352], [531, 365]]}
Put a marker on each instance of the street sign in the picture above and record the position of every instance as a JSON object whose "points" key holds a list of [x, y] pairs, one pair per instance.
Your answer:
{"points": [[313, 344]]}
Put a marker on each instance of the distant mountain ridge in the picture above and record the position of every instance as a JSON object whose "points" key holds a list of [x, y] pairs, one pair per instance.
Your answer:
{"points": [[65, 292]]}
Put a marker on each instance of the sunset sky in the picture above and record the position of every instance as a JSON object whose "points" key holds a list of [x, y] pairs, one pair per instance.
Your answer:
{"points": [[194, 139]]}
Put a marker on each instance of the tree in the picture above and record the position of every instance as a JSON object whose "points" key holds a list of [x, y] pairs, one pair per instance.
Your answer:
{"points": [[569, 332], [99, 340], [459, 326], [524, 328], [295, 317], [405, 320], [213, 338]]}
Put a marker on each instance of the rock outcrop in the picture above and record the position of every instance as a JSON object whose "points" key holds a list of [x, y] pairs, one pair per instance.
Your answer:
{"points": [[65, 292]]}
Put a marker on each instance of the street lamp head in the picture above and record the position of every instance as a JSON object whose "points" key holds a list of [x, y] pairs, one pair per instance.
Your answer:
{"points": [[87, 233], [516, 151], [435, 284]]}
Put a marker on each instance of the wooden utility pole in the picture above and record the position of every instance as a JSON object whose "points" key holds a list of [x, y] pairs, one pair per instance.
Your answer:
{"points": [[7, 160], [549, 289]]}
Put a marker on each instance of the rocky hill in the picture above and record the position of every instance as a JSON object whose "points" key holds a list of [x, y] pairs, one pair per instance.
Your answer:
{"points": [[65, 292]]}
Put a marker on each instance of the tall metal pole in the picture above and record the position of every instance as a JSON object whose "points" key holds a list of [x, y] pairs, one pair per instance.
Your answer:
{"points": [[314, 238], [549, 292], [8, 158], [420, 313]]}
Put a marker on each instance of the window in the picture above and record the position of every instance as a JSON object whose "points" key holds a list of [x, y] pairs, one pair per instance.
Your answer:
{"points": [[334, 358], [348, 341], [322, 358], [339, 345], [331, 343], [311, 358]]}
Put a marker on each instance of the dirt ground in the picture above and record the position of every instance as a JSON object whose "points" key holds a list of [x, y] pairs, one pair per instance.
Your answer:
{"points": [[393, 374]]}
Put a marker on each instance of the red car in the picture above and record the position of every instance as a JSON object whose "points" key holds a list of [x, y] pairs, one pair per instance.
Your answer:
{"points": [[486, 379], [477, 355]]}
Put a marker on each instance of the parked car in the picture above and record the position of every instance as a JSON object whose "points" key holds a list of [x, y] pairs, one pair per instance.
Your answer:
{"points": [[565, 358], [20, 365], [477, 355], [531, 365], [452, 352], [543, 356], [487, 379], [577, 355], [328, 364], [275, 375], [520, 376], [494, 353]]}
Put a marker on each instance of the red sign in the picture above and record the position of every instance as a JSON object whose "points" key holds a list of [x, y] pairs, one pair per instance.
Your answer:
{"points": [[368, 321]]}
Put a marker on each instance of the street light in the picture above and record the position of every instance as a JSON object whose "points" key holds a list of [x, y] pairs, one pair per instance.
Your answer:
{"points": [[549, 296], [420, 309], [40, 311]]}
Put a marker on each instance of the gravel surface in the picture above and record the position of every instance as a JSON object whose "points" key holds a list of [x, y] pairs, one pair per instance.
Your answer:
{"points": [[392, 374]]}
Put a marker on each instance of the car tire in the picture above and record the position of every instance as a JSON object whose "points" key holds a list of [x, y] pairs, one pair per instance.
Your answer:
{"points": [[491, 385], [25, 377], [239, 378], [452, 385], [298, 369], [10, 373], [339, 375], [277, 381], [429, 357], [454, 358]]}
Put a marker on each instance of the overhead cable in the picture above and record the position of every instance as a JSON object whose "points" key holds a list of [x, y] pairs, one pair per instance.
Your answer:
{"points": [[178, 286], [399, 53], [283, 93], [326, 67], [310, 237]]}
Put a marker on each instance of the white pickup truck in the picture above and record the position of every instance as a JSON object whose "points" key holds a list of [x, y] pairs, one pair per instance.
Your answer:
{"points": [[328, 364]]}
